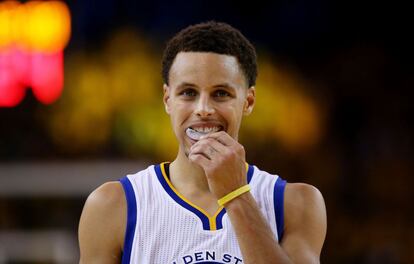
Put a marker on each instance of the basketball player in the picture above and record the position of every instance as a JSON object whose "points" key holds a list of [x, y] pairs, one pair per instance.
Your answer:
{"points": [[208, 205]]}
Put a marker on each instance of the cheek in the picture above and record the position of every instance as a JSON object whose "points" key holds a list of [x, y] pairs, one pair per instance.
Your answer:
{"points": [[237, 108], [233, 115], [179, 113]]}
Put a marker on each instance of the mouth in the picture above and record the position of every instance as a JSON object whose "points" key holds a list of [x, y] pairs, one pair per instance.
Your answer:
{"points": [[196, 132]]}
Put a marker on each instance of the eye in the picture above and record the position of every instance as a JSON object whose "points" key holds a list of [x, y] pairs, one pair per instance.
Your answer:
{"points": [[189, 93], [221, 93]]}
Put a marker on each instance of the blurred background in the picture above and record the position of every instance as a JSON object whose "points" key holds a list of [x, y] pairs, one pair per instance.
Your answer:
{"points": [[80, 104]]}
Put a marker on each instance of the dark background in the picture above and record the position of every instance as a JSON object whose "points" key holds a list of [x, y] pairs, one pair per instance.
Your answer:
{"points": [[357, 56]]}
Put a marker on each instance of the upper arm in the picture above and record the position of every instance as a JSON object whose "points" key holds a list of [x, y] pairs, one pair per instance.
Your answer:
{"points": [[102, 225], [305, 223]]}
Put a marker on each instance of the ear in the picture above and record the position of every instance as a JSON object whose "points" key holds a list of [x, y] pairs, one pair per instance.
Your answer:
{"points": [[166, 98], [250, 100]]}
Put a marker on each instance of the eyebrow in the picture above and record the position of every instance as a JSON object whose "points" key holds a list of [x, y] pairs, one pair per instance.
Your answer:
{"points": [[184, 84], [220, 85], [224, 85]]}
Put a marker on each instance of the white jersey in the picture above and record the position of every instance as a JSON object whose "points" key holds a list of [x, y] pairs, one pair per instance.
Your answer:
{"points": [[164, 227]]}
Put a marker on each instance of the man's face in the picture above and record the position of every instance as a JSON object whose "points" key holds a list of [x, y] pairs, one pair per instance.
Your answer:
{"points": [[207, 92]]}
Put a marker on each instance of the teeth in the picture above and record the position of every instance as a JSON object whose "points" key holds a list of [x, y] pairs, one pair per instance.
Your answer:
{"points": [[206, 129], [197, 133]]}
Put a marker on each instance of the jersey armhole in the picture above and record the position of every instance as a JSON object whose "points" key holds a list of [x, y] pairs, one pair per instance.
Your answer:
{"points": [[131, 219], [278, 203]]}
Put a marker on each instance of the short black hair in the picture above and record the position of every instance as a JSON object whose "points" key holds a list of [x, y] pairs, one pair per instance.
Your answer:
{"points": [[216, 37]]}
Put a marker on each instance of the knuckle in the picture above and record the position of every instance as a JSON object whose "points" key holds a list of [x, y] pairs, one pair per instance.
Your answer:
{"points": [[194, 148], [240, 149], [228, 155], [201, 144]]}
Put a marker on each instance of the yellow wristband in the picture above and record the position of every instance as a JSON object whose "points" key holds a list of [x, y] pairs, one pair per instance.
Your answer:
{"points": [[227, 198]]}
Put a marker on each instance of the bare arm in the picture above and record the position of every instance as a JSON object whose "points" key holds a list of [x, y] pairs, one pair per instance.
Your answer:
{"points": [[102, 225], [223, 160], [305, 222], [256, 240]]}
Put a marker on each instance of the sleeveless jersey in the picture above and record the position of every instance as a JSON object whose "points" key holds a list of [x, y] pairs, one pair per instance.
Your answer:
{"points": [[164, 227]]}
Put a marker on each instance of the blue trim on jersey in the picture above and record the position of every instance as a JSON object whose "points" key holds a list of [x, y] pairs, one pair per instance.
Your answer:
{"points": [[219, 219], [131, 219], [250, 173], [203, 217], [278, 202]]}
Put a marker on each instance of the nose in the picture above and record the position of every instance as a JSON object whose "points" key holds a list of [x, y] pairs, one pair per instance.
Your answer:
{"points": [[204, 107]]}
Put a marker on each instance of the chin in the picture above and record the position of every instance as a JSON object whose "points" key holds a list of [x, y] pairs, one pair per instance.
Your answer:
{"points": [[185, 148]]}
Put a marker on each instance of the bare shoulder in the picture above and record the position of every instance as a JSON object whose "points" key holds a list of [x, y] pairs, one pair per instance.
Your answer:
{"points": [[303, 202], [102, 223], [302, 196], [305, 222], [106, 206], [108, 196]]}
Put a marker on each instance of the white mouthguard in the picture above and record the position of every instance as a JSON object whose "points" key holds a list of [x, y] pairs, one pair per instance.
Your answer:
{"points": [[195, 135]]}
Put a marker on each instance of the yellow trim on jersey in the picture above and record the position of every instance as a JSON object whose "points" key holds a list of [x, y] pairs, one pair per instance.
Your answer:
{"points": [[211, 219]]}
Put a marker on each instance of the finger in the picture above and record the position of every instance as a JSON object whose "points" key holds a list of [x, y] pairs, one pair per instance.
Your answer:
{"points": [[221, 137], [208, 148], [226, 143], [201, 152], [215, 144], [199, 159]]}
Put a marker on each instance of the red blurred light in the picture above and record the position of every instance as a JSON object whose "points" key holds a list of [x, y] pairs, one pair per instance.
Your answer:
{"points": [[32, 38], [20, 64], [47, 76], [12, 91]]}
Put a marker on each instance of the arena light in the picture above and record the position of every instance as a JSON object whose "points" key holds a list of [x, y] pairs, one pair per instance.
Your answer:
{"points": [[11, 90], [47, 76], [48, 26], [32, 38]]}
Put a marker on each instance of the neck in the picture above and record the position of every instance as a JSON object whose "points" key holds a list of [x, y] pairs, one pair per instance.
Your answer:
{"points": [[186, 175]]}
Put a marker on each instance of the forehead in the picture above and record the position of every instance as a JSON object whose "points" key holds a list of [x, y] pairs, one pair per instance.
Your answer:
{"points": [[206, 69]]}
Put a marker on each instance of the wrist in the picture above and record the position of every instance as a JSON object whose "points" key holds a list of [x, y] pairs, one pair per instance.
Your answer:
{"points": [[234, 194], [241, 201]]}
